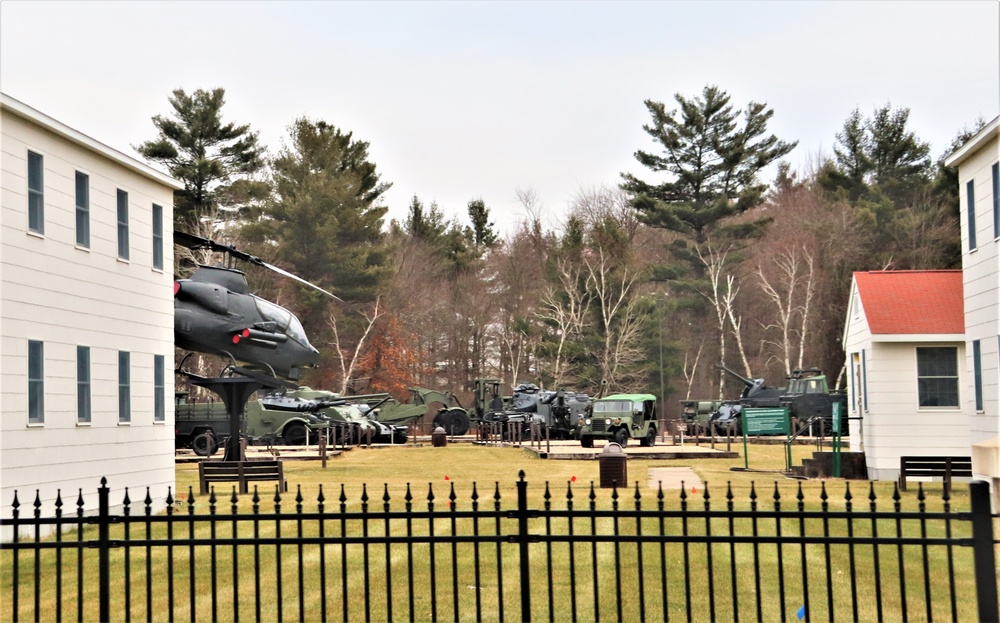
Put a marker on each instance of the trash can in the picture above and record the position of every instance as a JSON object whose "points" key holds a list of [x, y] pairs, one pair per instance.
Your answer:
{"points": [[613, 466], [439, 438]]}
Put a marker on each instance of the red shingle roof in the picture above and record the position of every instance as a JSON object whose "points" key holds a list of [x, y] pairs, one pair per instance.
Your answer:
{"points": [[904, 302]]}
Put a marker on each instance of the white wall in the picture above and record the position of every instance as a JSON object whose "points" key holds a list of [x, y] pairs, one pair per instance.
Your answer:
{"points": [[981, 270], [895, 424], [65, 296], [857, 339]]}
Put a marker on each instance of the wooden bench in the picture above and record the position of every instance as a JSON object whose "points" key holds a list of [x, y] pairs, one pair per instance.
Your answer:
{"points": [[242, 472], [944, 467]]}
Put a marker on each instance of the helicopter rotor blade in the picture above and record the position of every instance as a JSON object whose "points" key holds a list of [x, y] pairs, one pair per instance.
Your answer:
{"points": [[197, 242], [299, 279]]}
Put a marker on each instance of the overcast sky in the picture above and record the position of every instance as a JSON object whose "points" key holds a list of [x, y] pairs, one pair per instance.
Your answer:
{"points": [[479, 99]]}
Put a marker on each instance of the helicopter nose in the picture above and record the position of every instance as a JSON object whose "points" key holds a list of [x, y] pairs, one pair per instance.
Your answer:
{"points": [[313, 355]]}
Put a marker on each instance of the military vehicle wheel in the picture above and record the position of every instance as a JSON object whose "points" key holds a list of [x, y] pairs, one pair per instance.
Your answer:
{"points": [[621, 437], [650, 439], [204, 444], [454, 421], [587, 442], [295, 434]]}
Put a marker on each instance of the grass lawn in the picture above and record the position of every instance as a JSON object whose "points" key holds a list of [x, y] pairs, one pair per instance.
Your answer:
{"points": [[447, 584]]}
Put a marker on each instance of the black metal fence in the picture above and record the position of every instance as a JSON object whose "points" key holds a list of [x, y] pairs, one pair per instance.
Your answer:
{"points": [[611, 555]]}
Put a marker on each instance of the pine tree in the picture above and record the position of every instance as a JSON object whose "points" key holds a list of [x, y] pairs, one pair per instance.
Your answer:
{"points": [[325, 215], [216, 161], [713, 161], [483, 231]]}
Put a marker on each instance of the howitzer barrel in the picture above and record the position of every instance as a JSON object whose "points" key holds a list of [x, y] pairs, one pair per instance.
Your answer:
{"points": [[746, 381]]}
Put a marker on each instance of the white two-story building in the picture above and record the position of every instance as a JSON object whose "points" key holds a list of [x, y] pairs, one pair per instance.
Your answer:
{"points": [[978, 163], [86, 318]]}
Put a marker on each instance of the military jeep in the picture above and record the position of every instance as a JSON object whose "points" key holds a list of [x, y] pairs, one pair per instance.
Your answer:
{"points": [[620, 417]]}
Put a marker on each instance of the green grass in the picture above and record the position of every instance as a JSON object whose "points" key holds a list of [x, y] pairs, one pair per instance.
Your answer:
{"points": [[491, 471]]}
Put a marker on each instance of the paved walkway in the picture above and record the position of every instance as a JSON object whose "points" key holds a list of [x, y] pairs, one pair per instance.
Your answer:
{"points": [[674, 478], [571, 450]]}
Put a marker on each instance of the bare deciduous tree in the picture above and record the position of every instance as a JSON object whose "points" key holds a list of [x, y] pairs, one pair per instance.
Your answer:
{"points": [[689, 372], [347, 368], [714, 261], [619, 312], [791, 293], [565, 306]]}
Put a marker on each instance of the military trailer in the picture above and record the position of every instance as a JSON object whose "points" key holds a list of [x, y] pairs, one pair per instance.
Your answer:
{"points": [[620, 417]]}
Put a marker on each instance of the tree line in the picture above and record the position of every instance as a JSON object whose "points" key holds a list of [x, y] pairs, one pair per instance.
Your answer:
{"points": [[692, 260]]}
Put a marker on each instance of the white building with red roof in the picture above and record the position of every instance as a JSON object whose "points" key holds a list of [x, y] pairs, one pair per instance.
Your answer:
{"points": [[905, 345]]}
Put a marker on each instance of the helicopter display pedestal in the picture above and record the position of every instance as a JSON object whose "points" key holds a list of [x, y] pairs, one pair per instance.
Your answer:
{"points": [[235, 391]]}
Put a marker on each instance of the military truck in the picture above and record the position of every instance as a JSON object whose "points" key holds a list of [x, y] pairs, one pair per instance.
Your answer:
{"points": [[288, 418], [809, 395], [621, 417]]}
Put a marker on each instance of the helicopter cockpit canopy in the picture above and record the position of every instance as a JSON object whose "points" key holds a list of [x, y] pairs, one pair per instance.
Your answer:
{"points": [[283, 319]]}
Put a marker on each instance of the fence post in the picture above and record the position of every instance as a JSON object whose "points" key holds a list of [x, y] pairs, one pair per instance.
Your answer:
{"points": [[104, 549], [522, 538], [984, 556]]}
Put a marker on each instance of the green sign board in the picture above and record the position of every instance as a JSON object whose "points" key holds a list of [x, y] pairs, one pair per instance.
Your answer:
{"points": [[765, 421], [836, 417]]}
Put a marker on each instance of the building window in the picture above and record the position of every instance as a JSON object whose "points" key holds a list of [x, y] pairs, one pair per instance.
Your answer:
{"points": [[122, 224], [36, 382], [157, 236], [996, 200], [977, 367], [159, 389], [970, 200], [83, 384], [937, 376], [124, 388], [82, 209], [36, 194]]}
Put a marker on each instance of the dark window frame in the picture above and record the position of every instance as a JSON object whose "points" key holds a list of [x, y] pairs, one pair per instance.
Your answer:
{"points": [[159, 389], [977, 370], [157, 237], [970, 200], [36, 382], [123, 241], [938, 381], [82, 210], [36, 192], [124, 387], [995, 170], [84, 395]]}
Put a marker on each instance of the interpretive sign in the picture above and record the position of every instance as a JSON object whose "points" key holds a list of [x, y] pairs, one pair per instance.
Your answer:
{"points": [[765, 421], [773, 421]]}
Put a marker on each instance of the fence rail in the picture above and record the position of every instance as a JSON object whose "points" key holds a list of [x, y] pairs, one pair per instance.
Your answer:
{"points": [[488, 558]]}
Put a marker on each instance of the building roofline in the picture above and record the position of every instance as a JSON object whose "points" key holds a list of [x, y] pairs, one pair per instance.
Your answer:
{"points": [[918, 337], [8, 103], [972, 145]]}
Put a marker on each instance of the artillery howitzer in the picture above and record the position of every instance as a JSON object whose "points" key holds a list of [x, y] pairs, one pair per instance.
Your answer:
{"points": [[559, 411], [756, 394]]}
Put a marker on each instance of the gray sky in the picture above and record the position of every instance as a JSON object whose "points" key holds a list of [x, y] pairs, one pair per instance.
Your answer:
{"points": [[478, 99]]}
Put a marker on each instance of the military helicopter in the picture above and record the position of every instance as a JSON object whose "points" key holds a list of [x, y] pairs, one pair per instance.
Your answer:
{"points": [[215, 313]]}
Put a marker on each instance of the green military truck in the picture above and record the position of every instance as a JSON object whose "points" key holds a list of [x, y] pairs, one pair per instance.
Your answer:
{"points": [[289, 418], [621, 417]]}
